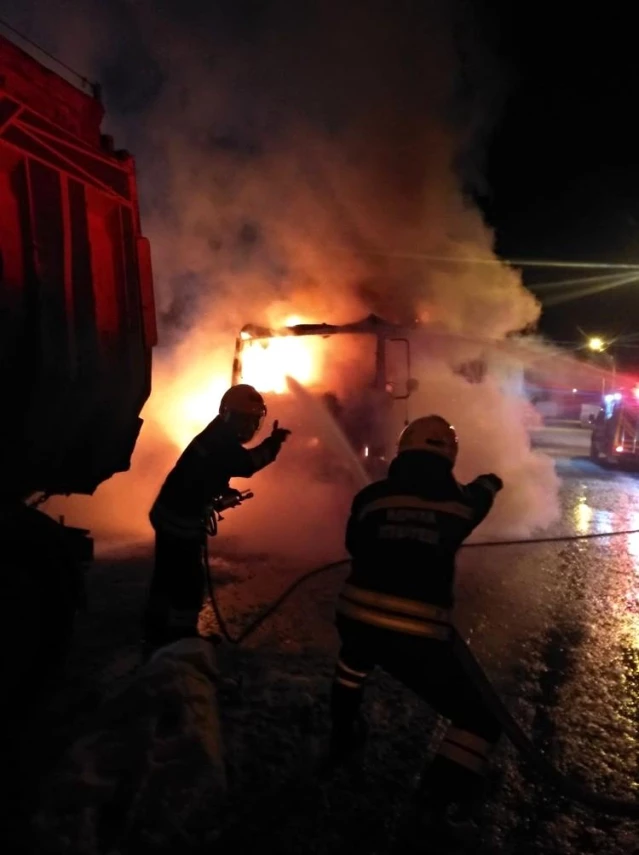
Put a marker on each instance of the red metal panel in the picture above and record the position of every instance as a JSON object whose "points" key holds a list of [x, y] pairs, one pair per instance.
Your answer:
{"points": [[85, 328], [77, 320], [68, 281], [11, 240], [91, 170], [103, 243], [146, 290], [49, 94], [8, 111]]}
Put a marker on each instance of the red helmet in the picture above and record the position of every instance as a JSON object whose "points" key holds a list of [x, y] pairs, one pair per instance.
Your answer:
{"points": [[243, 409], [430, 433]]}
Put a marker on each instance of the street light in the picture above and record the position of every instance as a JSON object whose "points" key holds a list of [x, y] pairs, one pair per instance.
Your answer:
{"points": [[597, 345]]}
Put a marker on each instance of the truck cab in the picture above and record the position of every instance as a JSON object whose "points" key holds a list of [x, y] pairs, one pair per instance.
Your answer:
{"points": [[615, 431], [363, 380], [358, 376]]}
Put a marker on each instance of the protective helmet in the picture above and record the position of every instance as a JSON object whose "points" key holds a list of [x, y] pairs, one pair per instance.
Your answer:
{"points": [[243, 399], [430, 433], [243, 409]]}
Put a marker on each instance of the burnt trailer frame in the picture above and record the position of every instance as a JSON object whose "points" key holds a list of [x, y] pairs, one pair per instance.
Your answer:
{"points": [[383, 331], [372, 445]]}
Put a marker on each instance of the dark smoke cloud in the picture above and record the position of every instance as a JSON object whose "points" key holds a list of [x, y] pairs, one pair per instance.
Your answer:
{"points": [[289, 148]]}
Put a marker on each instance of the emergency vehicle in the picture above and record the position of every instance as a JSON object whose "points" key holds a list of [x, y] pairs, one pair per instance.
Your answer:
{"points": [[615, 431]]}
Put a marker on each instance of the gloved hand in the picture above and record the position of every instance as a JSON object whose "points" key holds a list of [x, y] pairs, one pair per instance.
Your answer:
{"points": [[279, 435], [228, 499], [232, 494], [495, 481]]}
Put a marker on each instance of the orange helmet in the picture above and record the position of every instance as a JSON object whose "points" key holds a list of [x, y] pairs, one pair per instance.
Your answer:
{"points": [[430, 433], [243, 409]]}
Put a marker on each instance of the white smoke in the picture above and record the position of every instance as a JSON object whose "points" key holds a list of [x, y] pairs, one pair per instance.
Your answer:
{"points": [[305, 159]]}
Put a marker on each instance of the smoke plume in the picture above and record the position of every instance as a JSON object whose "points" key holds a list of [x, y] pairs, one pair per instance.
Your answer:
{"points": [[305, 159]]}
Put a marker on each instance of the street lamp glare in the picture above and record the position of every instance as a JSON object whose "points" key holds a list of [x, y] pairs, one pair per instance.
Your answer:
{"points": [[596, 343]]}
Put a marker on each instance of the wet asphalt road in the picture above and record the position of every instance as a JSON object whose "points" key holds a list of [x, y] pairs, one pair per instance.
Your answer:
{"points": [[559, 634], [556, 627]]}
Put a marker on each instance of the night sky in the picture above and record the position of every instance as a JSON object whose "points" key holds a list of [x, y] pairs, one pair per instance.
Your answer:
{"points": [[563, 164]]}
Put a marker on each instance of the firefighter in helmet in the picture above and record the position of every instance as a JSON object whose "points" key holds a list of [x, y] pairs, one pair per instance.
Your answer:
{"points": [[394, 609], [182, 509]]}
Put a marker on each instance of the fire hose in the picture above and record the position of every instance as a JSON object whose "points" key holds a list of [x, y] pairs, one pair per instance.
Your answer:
{"points": [[564, 784]]}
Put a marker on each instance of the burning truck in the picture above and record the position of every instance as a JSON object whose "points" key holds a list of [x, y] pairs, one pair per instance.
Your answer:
{"points": [[364, 383], [360, 373]]}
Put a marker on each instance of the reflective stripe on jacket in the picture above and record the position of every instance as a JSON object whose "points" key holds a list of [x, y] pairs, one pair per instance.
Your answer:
{"points": [[394, 613], [404, 531]]}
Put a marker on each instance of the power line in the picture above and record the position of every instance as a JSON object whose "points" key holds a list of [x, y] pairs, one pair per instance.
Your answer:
{"points": [[94, 87]]}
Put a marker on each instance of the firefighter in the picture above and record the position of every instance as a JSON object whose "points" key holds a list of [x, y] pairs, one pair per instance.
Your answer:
{"points": [[394, 610], [182, 510]]}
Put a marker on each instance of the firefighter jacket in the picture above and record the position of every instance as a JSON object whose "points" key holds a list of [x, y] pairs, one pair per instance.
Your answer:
{"points": [[403, 534], [202, 473]]}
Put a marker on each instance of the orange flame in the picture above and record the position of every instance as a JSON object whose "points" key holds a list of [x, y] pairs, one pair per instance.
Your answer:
{"points": [[190, 399], [266, 363]]}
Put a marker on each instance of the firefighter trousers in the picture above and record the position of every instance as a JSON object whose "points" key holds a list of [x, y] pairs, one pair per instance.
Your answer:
{"points": [[429, 668], [176, 591]]}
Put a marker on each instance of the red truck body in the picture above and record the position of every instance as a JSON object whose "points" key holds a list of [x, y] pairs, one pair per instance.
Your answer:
{"points": [[77, 316]]}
